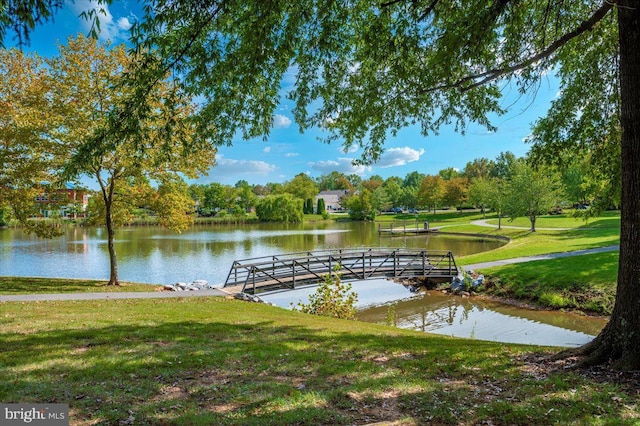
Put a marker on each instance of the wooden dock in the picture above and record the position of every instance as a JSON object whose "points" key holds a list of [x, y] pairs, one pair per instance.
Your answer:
{"points": [[286, 271], [404, 228]]}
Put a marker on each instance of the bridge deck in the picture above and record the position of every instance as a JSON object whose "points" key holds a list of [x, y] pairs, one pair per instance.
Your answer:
{"points": [[286, 271]]}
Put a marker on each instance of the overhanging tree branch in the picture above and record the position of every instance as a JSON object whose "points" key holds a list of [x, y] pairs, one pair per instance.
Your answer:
{"points": [[428, 11], [424, 14], [472, 81]]}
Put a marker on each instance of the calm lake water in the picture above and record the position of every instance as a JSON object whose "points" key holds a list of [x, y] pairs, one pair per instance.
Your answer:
{"points": [[158, 256]]}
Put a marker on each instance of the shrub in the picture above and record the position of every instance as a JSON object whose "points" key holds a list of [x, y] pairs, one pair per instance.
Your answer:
{"points": [[332, 298], [554, 300], [321, 209]]}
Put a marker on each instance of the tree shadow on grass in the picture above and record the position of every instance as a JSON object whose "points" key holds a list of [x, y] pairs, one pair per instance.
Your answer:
{"points": [[211, 372], [612, 223], [611, 234]]}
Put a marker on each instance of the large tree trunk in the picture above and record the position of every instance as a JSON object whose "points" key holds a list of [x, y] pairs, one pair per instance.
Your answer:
{"points": [[619, 341]]}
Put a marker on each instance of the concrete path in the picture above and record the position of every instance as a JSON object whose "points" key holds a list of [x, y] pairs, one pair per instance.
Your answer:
{"points": [[112, 296]]}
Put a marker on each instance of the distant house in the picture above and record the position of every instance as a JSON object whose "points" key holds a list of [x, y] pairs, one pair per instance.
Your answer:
{"points": [[67, 202], [332, 199]]}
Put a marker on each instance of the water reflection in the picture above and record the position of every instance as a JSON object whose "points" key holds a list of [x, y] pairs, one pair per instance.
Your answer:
{"points": [[159, 256], [381, 301], [155, 255], [475, 318]]}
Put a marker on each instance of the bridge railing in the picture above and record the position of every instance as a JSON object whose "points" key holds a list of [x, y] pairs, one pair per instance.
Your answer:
{"points": [[404, 226], [291, 269]]}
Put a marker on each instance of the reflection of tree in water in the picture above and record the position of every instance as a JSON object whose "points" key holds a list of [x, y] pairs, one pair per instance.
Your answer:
{"points": [[144, 242], [434, 312], [426, 318]]}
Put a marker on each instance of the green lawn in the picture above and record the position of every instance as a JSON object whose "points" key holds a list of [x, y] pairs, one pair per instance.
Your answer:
{"points": [[586, 283], [607, 220], [526, 243], [27, 285], [220, 361]]}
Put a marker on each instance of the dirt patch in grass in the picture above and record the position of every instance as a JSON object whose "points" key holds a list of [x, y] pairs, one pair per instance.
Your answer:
{"points": [[541, 366], [172, 393], [374, 408]]}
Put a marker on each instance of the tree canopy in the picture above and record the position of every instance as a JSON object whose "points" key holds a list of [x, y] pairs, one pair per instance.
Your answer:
{"points": [[532, 193]]}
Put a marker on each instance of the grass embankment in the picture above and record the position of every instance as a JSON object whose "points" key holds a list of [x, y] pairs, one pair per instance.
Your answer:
{"points": [[220, 361], [585, 282], [29, 285]]}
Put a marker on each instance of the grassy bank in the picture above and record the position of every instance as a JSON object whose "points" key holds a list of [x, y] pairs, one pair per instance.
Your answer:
{"points": [[220, 361], [586, 283], [32, 285]]}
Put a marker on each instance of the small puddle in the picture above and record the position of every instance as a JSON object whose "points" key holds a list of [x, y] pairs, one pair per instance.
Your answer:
{"points": [[381, 300]]}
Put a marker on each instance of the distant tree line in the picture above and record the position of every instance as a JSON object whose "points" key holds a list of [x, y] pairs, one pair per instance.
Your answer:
{"points": [[509, 186]]}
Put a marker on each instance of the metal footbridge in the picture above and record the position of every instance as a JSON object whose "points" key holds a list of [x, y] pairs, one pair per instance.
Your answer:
{"points": [[287, 271]]}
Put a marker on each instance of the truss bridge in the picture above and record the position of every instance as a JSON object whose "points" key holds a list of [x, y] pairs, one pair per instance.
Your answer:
{"points": [[287, 271]]}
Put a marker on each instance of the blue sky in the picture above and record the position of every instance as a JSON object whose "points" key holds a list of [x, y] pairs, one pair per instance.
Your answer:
{"points": [[287, 152]]}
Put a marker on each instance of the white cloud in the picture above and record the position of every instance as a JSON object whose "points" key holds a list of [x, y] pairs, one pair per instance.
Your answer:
{"points": [[124, 24], [291, 154], [331, 120], [291, 75], [354, 68], [110, 29], [399, 156], [352, 149], [281, 121], [267, 149], [229, 170], [342, 165]]}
